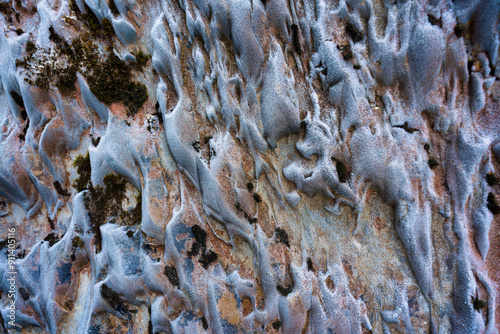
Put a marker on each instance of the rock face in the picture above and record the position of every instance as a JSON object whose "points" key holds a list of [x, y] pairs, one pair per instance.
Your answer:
{"points": [[244, 166]]}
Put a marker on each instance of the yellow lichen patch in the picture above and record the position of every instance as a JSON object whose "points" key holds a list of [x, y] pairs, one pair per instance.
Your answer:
{"points": [[229, 309]]}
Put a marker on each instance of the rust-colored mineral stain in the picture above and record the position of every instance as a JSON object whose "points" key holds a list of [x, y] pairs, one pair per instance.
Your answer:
{"points": [[118, 109], [246, 304], [378, 223], [329, 283]]}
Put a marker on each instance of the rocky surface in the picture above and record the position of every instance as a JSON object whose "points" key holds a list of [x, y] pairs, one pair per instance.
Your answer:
{"points": [[250, 166]]}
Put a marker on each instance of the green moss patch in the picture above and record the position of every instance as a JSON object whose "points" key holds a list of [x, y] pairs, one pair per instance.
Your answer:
{"points": [[82, 164], [103, 29], [76, 243], [110, 79], [478, 303], [141, 59], [104, 203]]}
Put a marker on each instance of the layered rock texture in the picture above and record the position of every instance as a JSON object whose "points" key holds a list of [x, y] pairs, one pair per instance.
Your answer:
{"points": [[241, 166]]}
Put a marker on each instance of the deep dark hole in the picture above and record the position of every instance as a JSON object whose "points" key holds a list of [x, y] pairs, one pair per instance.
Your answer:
{"points": [[60, 189], [492, 204], [204, 322], [284, 290], [52, 238], [282, 236], [19, 101], [354, 33], [54, 37], [310, 265]]}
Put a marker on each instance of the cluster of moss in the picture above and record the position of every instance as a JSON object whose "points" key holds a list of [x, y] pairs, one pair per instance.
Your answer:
{"points": [[111, 82], [82, 164], [207, 258], [96, 28], [7, 11], [478, 303], [36, 73], [104, 203], [76, 243], [200, 242], [110, 79], [141, 59]]}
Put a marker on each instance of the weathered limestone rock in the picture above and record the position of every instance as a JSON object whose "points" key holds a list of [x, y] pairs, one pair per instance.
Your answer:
{"points": [[241, 166]]}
